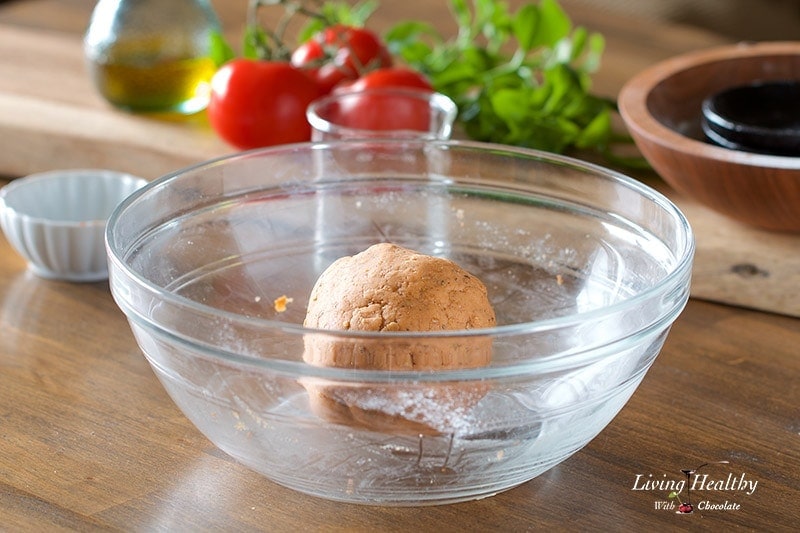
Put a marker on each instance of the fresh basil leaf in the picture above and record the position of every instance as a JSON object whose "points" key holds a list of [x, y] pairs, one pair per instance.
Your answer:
{"points": [[510, 106], [596, 132], [408, 41], [591, 61], [526, 25], [255, 43], [521, 78], [218, 48], [555, 23], [462, 14], [310, 29], [578, 41]]}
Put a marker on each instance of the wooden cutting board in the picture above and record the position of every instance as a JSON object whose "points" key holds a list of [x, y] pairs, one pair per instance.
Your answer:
{"points": [[740, 265], [51, 117]]}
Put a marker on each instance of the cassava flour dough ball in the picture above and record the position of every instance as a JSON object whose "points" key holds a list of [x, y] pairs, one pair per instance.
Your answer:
{"points": [[387, 288]]}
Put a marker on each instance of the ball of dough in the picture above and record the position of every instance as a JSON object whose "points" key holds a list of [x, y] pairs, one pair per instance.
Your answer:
{"points": [[387, 288]]}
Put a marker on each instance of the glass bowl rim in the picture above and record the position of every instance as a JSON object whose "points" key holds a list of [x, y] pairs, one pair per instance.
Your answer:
{"points": [[675, 277]]}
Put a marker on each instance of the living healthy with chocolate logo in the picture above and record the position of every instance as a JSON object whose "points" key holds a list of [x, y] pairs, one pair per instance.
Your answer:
{"points": [[713, 490]]}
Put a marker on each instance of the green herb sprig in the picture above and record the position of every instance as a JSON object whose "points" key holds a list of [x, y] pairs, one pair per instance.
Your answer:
{"points": [[521, 78]]}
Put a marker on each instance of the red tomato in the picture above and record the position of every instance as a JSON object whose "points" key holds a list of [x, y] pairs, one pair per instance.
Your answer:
{"points": [[341, 53], [388, 77], [385, 109], [261, 103]]}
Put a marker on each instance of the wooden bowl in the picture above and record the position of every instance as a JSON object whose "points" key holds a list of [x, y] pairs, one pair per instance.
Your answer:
{"points": [[661, 107]]}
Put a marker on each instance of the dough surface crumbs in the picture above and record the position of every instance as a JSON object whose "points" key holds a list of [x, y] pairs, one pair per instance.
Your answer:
{"points": [[387, 288], [281, 302]]}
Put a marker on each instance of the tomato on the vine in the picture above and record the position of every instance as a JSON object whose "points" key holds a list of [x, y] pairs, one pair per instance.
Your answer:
{"points": [[388, 77], [261, 103], [384, 99], [340, 53]]}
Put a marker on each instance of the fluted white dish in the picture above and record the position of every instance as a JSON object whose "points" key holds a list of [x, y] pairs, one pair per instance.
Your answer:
{"points": [[56, 220]]}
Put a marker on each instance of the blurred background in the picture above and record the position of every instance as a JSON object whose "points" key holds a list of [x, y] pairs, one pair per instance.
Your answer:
{"points": [[734, 19], [737, 19]]}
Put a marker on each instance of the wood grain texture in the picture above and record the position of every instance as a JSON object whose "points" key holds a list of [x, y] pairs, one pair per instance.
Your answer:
{"points": [[89, 440], [92, 442], [53, 118], [741, 265]]}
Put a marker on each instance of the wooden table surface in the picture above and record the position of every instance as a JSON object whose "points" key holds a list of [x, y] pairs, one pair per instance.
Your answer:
{"points": [[90, 441]]}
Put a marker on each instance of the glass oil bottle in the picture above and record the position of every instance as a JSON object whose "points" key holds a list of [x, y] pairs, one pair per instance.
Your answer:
{"points": [[153, 56]]}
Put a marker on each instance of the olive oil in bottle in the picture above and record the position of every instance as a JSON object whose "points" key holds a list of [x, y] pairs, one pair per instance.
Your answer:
{"points": [[152, 56]]}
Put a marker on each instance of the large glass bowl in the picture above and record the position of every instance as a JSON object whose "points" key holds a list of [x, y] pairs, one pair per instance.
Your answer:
{"points": [[586, 270]]}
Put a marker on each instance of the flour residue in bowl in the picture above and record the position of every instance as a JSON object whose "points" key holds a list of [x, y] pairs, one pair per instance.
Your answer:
{"points": [[387, 288]]}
